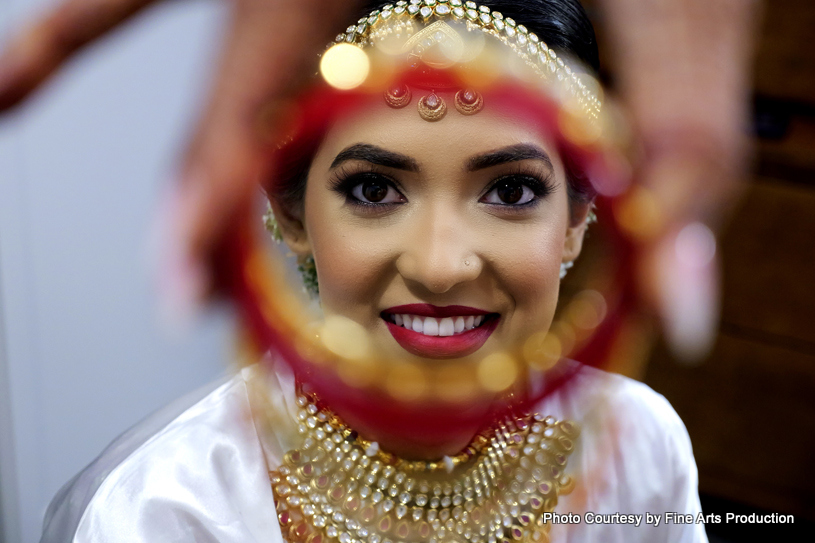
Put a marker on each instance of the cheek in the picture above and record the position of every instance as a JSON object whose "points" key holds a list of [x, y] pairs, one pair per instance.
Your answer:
{"points": [[349, 272], [352, 261], [529, 270]]}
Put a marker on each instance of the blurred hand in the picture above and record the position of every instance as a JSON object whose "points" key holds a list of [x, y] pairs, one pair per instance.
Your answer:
{"points": [[683, 69], [268, 53]]}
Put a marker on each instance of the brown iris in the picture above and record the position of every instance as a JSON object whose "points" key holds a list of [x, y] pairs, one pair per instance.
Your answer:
{"points": [[510, 193], [374, 191]]}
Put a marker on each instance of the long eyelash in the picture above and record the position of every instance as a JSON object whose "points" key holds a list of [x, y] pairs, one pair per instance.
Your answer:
{"points": [[347, 177], [540, 182]]}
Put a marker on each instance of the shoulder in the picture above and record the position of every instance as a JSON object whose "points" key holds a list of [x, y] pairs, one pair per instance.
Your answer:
{"points": [[634, 456], [182, 474], [628, 411], [638, 411]]}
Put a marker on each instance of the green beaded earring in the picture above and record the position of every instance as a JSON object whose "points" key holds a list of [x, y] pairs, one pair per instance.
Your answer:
{"points": [[306, 266]]}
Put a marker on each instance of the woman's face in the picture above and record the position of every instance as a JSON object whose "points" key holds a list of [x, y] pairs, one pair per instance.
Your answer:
{"points": [[442, 239]]}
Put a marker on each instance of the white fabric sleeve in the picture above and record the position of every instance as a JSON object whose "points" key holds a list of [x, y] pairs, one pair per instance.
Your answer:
{"points": [[203, 477], [633, 458]]}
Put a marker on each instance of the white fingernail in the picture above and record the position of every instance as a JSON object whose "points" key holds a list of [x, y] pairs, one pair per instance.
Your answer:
{"points": [[689, 291]]}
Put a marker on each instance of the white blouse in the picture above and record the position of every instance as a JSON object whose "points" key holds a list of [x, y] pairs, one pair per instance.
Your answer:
{"points": [[198, 470]]}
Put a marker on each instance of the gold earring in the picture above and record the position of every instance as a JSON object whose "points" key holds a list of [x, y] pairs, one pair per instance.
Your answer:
{"points": [[432, 108], [469, 102], [398, 97]]}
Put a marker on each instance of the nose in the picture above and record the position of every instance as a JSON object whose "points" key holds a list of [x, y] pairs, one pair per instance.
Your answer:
{"points": [[440, 252]]}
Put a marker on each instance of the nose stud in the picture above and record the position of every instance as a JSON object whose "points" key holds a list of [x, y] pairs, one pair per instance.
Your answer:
{"points": [[466, 262]]}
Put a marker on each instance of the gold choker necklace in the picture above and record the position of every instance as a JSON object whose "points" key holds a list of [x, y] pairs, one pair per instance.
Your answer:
{"points": [[337, 487]]}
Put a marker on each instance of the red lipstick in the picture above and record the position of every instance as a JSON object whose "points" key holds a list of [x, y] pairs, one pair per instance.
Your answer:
{"points": [[452, 346]]}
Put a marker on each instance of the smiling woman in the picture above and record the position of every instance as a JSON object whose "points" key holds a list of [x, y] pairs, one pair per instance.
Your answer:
{"points": [[481, 221], [439, 238]]}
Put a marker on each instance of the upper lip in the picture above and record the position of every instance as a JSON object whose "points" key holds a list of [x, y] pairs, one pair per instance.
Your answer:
{"points": [[429, 310]]}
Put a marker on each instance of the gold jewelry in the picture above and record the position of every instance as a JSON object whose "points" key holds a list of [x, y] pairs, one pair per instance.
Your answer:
{"points": [[398, 97], [306, 266], [469, 102], [270, 222], [337, 486], [430, 20], [432, 108]]}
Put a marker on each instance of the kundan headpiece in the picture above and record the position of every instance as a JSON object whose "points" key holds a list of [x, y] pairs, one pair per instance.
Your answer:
{"points": [[450, 34]]}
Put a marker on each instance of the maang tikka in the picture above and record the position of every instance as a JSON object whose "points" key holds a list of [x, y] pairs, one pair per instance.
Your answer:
{"points": [[419, 47], [433, 107]]}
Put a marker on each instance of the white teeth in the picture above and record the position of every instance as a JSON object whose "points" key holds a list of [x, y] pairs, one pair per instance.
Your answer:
{"points": [[446, 327], [458, 326], [431, 327]]}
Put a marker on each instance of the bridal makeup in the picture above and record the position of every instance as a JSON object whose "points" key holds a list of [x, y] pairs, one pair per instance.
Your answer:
{"points": [[443, 240]]}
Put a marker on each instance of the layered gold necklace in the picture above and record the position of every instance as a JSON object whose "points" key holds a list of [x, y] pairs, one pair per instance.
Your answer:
{"points": [[338, 487]]}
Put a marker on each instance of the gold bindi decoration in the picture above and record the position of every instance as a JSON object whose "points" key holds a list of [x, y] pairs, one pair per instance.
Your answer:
{"points": [[432, 107], [469, 102], [337, 486], [398, 97]]}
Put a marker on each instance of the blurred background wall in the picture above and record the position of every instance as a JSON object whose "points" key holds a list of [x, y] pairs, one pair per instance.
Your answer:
{"points": [[82, 358], [82, 166]]}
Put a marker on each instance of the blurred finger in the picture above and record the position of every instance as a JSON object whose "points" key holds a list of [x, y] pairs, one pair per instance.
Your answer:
{"points": [[36, 52], [684, 75], [270, 51]]}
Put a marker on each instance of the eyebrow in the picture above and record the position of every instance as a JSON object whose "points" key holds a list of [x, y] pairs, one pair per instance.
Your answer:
{"points": [[513, 153], [375, 155]]}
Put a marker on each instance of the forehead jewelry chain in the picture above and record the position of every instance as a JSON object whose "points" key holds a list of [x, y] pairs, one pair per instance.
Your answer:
{"points": [[337, 486]]}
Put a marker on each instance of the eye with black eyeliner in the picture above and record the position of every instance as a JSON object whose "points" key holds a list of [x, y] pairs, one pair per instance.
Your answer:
{"points": [[367, 189], [517, 191]]}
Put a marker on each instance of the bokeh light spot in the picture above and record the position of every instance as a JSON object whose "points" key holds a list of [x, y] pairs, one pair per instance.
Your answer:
{"points": [[345, 66], [639, 214], [542, 350], [406, 382], [455, 383], [497, 372], [344, 337]]}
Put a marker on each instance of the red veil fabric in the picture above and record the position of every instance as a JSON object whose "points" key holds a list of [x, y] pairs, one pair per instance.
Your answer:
{"points": [[243, 268]]}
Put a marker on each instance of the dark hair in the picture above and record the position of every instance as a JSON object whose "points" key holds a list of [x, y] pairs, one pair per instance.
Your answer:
{"points": [[561, 24]]}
